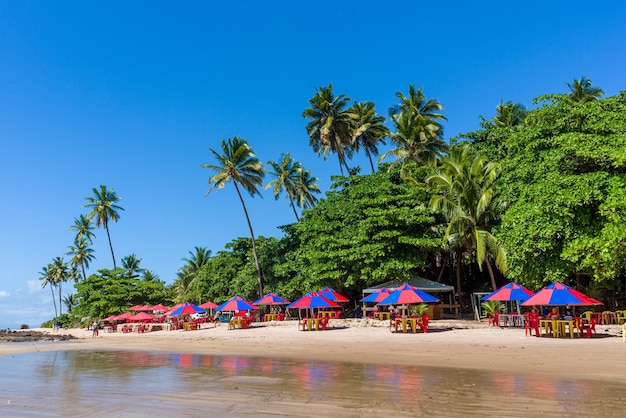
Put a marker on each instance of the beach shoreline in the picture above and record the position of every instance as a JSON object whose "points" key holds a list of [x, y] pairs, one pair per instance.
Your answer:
{"points": [[453, 344]]}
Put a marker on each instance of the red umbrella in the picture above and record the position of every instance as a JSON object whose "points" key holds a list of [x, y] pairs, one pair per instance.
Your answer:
{"points": [[140, 308], [143, 317], [407, 295], [377, 296], [208, 305], [124, 316], [313, 300], [331, 294], [236, 303], [186, 309], [271, 299], [560, 294], [510, 292], [160, 308]]}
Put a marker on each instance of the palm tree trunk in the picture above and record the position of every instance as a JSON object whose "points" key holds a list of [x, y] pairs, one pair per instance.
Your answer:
{"points": [[493, 280], [459, 265], [371, 162], [111, 246], [60, 304], [294, 209], [256, 257], [54, 301], [443, 267], [82, 264]]}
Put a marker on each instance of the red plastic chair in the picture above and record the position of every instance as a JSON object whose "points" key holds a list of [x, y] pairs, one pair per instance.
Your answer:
{"points": [[590, 327], [337, 314], [531, 324], [424, 324], [324, 323]]}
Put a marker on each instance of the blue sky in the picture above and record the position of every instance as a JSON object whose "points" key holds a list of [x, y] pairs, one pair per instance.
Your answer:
{"points": [[132, 95]]}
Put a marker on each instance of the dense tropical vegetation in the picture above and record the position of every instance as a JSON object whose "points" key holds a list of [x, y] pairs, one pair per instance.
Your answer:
{"points": [[532, 196]]}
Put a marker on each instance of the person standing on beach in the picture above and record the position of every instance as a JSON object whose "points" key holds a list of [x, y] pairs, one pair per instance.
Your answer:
{"points": [[94, 328]]}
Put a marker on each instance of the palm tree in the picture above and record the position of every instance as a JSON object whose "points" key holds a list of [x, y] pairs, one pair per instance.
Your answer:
{"points": [[239, 165], [81, 252], [70, 302], [369, 129], [45, 276], [509, 114], [103, 210], [330, 125], [149, 275], [304, 188], [424, 111], [415, 142], [286, 175], [581, 91], [83, 227], [131, 265], [471, 208], [59, 273], [199, 257]]}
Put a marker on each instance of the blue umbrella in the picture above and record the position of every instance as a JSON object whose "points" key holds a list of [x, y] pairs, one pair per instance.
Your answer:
{"points": [[236, 303], [510, 292], [185, 309]]}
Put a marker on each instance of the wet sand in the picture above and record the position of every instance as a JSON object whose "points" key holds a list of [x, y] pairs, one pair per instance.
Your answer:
{"points": [[454, 344]]}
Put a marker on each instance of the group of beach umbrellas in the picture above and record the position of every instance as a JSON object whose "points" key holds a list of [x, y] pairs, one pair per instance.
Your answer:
{"points": [[555, 294]]}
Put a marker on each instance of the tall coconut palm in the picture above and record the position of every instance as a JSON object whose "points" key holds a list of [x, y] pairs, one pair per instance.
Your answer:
{"points": [[83, 227], [304, 187], [103, 210], [470, 206], [70, 302], [581, 91], [425, 112], [330, 125], [149, 276], [369, 130], [59, 273], [286, 174], [45, 276], [509, 114], [415, 142], [82, 253], [198, 259], [131, 264], [238, 164]]}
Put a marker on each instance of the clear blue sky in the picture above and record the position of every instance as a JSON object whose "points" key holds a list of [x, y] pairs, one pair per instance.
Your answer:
{"points": [[132, 95]]}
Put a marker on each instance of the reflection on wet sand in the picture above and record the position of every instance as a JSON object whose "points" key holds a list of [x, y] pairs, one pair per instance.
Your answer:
{"points": [[140, 383]]}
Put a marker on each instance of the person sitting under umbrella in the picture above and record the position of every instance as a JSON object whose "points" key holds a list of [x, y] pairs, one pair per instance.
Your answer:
{"points": [[554, 314]]}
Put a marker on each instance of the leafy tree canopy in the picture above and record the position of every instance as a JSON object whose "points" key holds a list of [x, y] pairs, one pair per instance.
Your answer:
{"points": [[367, 230], [112, 292], [564, 174]]}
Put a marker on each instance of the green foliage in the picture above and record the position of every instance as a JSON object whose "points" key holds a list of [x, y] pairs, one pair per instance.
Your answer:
{"points": [[420, 309], [564, 174], [368, 229], [490, 307], [111, 292]]}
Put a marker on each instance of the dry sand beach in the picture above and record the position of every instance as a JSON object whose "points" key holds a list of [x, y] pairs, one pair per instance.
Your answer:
{"points": [[458, 344]]}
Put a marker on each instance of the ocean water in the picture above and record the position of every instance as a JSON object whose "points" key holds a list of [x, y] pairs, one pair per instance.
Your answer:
{"points": [[148, 384]]}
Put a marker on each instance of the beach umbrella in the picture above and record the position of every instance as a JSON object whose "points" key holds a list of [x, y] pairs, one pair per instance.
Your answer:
{"points": [[186, 309], [271, 299], [208, 305], [110, 318], [236, 303], [313, 300], [140, 308], [509, 292], [377, 296], [407, 295], [160, 308], [124, 316], [143, 317], [331, 294], [560, 294]]}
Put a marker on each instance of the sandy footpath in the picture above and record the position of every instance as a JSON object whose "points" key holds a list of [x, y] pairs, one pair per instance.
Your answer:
{"points": [[463, 344]]}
